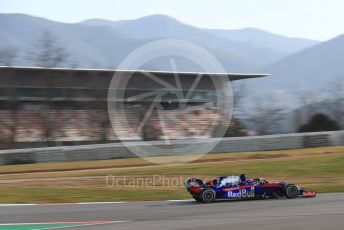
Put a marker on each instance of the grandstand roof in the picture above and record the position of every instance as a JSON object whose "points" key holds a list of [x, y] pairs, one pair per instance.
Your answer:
{"points": [[230, 76]]}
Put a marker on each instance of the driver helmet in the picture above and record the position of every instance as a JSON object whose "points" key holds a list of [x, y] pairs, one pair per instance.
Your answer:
{"points": [[242, 178]]}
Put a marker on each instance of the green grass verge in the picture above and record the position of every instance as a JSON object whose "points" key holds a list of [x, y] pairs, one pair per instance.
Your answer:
{"points": [[322, 173], [63, 195], [121, 163]]}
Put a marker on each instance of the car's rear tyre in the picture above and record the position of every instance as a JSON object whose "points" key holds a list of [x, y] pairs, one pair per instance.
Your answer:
{"points": [[291, 191], [208, 196], [197, 197]]}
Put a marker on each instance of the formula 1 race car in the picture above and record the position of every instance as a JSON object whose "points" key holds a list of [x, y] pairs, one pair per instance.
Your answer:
{"points": [[238, 187]]}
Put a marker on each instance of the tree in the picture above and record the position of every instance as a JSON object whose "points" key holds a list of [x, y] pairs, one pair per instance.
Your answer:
{"points": [[267, 116], [47, 53], [319, 122], [13, 105], [239, 94], [99, 115], [309, 102], [236, 129], [7, 56], [335, 99], [329, 100]]}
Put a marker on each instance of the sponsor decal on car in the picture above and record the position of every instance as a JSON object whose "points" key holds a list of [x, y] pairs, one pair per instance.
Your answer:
{"points": [[236, 188], [241, 193]]}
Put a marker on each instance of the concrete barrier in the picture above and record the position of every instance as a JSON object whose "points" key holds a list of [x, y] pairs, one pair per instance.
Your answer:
{"points": [[119, 150]]}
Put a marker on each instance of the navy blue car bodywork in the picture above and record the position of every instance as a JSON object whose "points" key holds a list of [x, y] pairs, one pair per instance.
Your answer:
{"points": [[235, 188]]}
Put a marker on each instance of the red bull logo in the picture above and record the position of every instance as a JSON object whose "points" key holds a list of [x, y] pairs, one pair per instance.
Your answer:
{"points": [[242, 193]]}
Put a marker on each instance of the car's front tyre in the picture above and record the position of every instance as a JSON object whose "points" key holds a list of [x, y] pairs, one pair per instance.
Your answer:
{"points": [[291, 191], [208, 195]]}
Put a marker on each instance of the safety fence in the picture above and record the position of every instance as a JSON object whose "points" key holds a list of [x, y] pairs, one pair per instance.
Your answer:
{"points": [[120, 150]]}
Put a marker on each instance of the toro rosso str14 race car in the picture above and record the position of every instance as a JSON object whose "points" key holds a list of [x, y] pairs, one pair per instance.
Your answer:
{"points": [[238, 187]]}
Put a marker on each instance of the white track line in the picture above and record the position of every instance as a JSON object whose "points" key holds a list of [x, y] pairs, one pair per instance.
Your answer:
{"points": [[15, 205], [91, 203], [120, 202], [77, 223], [180, 200], [84, 225]]}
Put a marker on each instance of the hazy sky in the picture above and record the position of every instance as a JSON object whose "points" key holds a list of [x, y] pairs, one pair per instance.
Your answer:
{"points": [[315, 19]]}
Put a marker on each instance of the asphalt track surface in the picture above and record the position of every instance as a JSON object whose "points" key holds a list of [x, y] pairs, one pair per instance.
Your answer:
{"points": [[325, 212]]}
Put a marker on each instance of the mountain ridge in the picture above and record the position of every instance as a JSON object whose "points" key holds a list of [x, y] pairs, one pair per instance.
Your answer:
{"points": [[256, 52]]}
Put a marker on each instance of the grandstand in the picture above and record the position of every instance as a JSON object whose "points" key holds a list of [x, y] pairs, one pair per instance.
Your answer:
{"points": [[55, 106]]}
